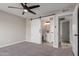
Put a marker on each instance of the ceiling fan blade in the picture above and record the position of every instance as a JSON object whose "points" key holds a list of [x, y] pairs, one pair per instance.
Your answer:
{"points": [[35, 6], [14, 7], [23, 5], [26, 7], [32, 12]]}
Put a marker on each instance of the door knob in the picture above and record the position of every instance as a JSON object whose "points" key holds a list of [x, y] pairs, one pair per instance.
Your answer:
{"points": [[75, 34]]}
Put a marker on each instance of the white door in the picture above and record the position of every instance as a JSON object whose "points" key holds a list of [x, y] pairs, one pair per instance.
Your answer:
{"points": [[75, 31], [36, 36]]}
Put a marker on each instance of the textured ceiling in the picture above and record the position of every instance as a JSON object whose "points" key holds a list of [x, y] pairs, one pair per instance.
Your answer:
{"points": [[44, 9]]}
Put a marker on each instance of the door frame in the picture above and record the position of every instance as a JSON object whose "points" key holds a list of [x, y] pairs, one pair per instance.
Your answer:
{"points": [[61, 23], [78, 30], [60, 15]]}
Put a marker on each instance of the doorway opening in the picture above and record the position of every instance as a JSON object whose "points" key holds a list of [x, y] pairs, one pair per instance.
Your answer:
{"points": [[46, 33], [65, 31]]}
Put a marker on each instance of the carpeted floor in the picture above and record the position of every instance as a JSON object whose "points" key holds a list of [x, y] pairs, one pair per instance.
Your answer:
{"points": [[31, 49]]}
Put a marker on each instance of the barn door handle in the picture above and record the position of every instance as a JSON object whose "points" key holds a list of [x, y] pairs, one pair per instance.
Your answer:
{"points": [[75, 34]]}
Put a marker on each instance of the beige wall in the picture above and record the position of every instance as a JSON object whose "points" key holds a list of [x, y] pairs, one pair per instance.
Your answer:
{"points": [[28, 30], [12, 29]]}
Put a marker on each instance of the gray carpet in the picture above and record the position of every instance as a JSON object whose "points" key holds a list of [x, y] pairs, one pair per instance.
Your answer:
{"points": [[31, 49]]}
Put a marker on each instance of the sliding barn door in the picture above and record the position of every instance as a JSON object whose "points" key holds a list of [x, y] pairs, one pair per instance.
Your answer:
{"points": [[75, 31], [36, 31]]}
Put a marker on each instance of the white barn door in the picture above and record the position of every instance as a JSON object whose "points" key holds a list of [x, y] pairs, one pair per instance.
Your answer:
{"points": [[36, 36], [75, 31]]}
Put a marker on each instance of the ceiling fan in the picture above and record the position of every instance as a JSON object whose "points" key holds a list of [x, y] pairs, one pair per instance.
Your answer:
{"points": [[26, 8]]}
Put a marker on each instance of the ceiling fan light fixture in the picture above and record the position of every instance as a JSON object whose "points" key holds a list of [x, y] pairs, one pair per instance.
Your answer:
{"points": [[25, 10]]}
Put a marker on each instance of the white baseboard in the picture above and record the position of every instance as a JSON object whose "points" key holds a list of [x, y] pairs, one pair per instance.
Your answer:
{"points": [[11, 44]]}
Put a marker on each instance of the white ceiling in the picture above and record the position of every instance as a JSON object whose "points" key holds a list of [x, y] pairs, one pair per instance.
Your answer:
{"points": [[44, 9]]}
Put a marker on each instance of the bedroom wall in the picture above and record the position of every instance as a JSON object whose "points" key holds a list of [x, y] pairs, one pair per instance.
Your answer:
{"points": [[28, 30], [12, 29]]}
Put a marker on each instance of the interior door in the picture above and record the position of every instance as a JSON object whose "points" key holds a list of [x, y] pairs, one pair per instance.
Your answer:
{"points": [[75, 31], [36, 36]]}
